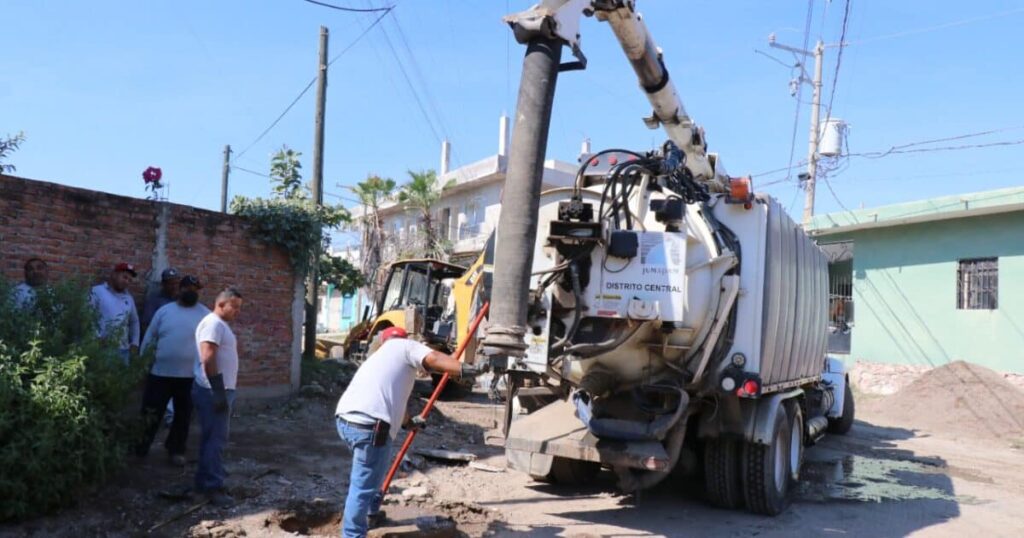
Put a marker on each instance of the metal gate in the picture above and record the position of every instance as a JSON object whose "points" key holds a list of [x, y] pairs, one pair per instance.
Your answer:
{"points": [[840, 296]]}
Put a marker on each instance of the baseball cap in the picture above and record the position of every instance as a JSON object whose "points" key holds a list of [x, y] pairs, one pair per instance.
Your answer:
{"points": [[189, 280], [169, 273], [392, 332], [124, 266]]}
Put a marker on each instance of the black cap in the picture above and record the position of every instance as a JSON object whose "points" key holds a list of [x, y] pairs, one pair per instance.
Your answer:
{"points": [[189, 280]]}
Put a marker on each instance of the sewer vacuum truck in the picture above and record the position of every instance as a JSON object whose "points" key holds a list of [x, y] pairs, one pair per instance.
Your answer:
{"points": [[659, 318]]}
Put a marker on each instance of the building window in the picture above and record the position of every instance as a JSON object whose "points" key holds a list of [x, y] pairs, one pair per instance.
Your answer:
{"points": [[977, 285], [443, 219], [473, 217]]}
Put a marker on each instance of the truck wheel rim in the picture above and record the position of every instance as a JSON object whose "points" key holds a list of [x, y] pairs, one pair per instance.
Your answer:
{"points": [[796, 446], [781, 455]]}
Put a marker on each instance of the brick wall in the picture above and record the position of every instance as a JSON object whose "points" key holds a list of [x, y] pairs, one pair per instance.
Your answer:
{"points": [[84, 233]]}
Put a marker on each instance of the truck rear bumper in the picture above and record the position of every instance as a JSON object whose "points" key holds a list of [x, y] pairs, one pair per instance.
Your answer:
{"points": [[554, 431]]}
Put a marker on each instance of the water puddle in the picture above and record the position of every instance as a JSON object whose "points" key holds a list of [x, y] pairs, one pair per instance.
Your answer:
{"points": [[865, 479]]}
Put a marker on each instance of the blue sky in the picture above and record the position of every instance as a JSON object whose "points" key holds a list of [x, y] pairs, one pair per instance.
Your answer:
{"points": [[104, 89]]}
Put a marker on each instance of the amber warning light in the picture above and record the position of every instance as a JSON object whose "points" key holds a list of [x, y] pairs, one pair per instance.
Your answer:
{"points": [[741, 191]]}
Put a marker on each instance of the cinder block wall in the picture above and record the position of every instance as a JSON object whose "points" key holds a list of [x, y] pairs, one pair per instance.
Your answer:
{"points": [[84, 233]]}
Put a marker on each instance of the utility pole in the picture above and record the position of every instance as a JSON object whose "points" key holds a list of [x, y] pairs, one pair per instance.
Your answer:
{"points": [[814, 136], [313, 284], [224, 179]]}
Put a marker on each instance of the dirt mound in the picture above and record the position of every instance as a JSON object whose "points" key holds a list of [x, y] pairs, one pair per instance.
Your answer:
{"points": [[958, 400]]}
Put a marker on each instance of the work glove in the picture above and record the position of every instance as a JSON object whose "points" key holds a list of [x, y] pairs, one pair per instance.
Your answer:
{"points": [[220, 394], [469, 371], [417, 423]]}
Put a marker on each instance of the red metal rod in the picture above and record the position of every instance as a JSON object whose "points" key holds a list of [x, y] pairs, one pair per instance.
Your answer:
{"points": [[433, 398]]}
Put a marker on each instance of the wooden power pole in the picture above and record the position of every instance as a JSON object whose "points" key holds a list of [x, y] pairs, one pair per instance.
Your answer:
{"points": [[313, 284]]}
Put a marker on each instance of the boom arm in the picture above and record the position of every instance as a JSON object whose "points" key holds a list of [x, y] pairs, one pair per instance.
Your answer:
{"points": [[562, 19], [544, 29]]}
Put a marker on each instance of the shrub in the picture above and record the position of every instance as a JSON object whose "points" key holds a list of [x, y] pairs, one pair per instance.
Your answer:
{"points": [[63, 396]]}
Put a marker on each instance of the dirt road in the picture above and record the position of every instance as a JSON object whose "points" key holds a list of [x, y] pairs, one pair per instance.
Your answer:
{"points": [[288, 471]]}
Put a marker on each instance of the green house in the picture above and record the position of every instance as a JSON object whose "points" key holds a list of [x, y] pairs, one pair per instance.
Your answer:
{"points": [[929, 282]]}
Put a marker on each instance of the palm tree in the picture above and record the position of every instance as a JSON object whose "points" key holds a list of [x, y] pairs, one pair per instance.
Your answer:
{"points": [[372, 192], [421, 193]]}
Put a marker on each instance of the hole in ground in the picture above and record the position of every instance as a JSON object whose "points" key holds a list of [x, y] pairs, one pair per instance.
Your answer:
{"points": [[318, 517]]}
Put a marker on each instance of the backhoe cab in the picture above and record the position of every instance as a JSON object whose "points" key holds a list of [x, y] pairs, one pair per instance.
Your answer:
{"points": [[416, 295]]}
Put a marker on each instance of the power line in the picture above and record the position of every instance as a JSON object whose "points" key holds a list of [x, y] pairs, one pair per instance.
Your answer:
{"points": [[309, 85], [897, 149], [253, 172], [839, 62], [412, 87], [937, 27], [345, 198], [892, 151], [276, 120], [361, 35], [800, 89], [351, 9], [419, 74], [834, 195], [947, 139]]}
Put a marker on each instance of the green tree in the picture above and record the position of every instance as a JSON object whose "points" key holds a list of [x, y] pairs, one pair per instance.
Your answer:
{"points": [[9, 145], [421, 194], [372, 192], [294, 222], [286, 174]]}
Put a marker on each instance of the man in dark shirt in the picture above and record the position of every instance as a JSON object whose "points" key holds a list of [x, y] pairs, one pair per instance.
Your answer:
{"points": [[169, 282]]}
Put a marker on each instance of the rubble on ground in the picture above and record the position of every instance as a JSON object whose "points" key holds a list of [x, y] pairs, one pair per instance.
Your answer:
{"points": [[215, 529]]}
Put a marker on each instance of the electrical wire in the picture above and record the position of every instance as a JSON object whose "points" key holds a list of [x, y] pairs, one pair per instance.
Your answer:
{"points": [[253, 172], [306, 89], [412, 87], [351, 9], [937, 27], [891, 151], [800, 89], [839, 63]]}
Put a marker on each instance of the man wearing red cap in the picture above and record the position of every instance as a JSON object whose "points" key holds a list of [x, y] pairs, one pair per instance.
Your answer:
{"points": [[118, 318], [367, 413]]}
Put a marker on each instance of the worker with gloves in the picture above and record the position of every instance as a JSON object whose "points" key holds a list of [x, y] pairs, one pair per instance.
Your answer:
{"points": [[373, 403]]}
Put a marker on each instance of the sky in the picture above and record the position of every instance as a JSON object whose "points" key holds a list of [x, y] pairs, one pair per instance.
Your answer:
{"points": [[104, 89]]}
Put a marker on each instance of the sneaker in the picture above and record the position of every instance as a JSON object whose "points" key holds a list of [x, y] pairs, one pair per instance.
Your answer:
{"points": [[220, 499], [177, 460]]}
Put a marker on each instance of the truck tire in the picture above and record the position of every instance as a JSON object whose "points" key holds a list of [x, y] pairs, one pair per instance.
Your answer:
{"points": [[572, 472], [843, 424], [722, 473], [766, 469]]}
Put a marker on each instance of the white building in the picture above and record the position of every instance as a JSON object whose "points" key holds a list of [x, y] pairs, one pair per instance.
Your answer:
{"points": [[468, 211], [466, 215]]}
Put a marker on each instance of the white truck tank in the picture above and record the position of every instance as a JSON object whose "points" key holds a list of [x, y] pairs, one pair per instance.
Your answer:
{"points": [[671, 301]]}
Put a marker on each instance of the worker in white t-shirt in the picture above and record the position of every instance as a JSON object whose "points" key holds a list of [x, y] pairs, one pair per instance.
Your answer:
{"points": [[213, 393], [36, 278], [367, 413], [118, 317]]}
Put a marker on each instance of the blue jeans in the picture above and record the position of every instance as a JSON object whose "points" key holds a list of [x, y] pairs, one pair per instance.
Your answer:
{"points": [[369, 466], [214, 435]]}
